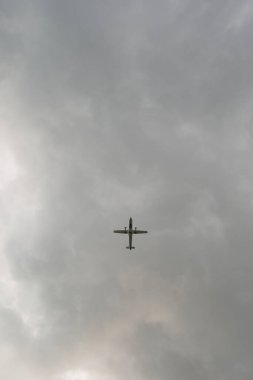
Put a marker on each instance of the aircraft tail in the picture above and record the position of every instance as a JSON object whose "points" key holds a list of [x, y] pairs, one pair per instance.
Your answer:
{"points": [[130, 248]]}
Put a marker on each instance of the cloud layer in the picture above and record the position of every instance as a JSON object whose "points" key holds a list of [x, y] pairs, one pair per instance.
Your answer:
{"points": [[115, 109]]}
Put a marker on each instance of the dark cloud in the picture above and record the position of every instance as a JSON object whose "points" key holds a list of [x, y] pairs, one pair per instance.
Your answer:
{"points": [[111, 110]]}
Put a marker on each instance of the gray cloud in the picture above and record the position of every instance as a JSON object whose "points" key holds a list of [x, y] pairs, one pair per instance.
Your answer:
{"points": [[111, 110]]}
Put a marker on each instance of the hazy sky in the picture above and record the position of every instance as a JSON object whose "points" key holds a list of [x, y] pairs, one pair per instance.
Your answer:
{"points": [[119, 108]]}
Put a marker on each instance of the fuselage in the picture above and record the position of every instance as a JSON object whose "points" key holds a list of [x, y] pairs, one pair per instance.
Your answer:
{"points": [[130, 232]]}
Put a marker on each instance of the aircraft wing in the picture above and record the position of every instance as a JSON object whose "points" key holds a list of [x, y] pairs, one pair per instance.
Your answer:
{"points": [[139, 232], [121, 231]]}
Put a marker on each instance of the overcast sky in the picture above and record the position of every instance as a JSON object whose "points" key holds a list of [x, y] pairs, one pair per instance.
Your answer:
{"points": [[111, 109]]}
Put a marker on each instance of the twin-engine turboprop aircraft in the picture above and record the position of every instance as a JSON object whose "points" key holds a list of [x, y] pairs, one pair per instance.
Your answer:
{"points": [[130, 232]]}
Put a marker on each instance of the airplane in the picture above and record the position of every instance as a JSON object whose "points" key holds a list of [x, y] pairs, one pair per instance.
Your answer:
{"points": [[130, 232]]}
